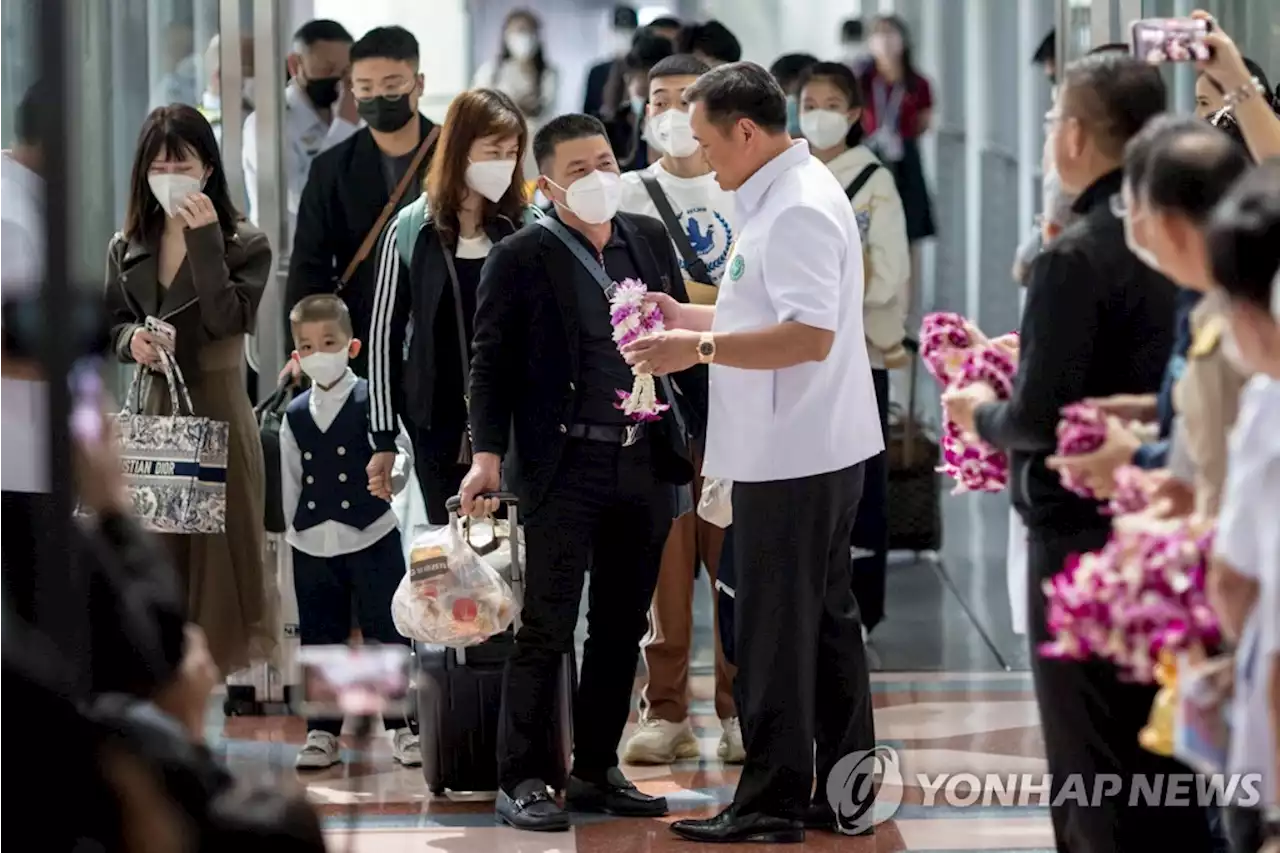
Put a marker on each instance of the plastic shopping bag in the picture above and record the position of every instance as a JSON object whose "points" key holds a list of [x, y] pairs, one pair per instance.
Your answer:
{"points": [[451, 596]]}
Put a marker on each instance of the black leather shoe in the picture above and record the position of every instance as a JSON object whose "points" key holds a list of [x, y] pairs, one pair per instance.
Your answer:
{"points": [[530, 806], [614, 795], [730, 828], [820, 816]]}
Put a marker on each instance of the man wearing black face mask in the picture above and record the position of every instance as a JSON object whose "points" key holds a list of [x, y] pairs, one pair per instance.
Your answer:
{"points": [[355, 187], [320, 110]]}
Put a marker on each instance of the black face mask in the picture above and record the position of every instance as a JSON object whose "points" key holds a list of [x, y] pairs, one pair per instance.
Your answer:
{"points": [[323, 92], [386, 115]]}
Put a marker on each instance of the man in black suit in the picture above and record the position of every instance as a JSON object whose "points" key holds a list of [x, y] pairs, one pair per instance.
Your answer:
{"points": [[1098, 322], [351, 183], [596, 488]]}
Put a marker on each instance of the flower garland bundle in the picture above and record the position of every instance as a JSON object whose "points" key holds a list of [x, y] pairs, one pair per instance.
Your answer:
{"points": [[632, 319], [1140, 596], [1130, 495], [945, 340], [1082, 430], [975, 465]]}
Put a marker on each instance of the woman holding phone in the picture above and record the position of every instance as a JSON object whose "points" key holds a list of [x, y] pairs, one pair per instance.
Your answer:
{"points": [[186, 274]]}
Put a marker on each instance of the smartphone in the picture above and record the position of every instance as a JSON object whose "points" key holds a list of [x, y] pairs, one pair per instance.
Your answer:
{"points": [[365, 680], [1160, 40], [165, 334], [87, 416]]}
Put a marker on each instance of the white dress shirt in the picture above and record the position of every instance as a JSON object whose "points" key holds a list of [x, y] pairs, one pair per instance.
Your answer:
{"points": [[798, 257], [24, 445], [306, 135], [1248, 539], [333, 538]]}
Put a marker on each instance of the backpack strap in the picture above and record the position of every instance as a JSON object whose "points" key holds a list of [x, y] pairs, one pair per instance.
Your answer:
{"points": [[693, 265], [861, 180], [532, 213], [408, 223]]}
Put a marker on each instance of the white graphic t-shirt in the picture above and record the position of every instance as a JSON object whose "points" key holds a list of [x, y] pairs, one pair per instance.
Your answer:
{"points": [[706, 212]]}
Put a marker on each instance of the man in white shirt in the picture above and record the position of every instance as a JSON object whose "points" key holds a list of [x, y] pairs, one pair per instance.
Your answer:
{"points": [[25, 452], [320, 110], [792, 420], [681, 190]]}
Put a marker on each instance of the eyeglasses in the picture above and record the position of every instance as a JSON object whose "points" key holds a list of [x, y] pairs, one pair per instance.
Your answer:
{"points": [[399, 88]]}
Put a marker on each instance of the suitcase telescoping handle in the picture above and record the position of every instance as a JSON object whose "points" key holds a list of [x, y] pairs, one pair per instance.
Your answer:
{"points": [[507, 499], [509, 502]]}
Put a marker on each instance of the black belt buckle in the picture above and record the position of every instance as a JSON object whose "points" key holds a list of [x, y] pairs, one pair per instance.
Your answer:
{"points": [[631, 434]]}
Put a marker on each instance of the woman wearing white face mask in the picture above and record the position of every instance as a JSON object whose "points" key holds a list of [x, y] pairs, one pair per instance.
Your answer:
{"points": [[521, 70], [830, 117], [428, 266], [188, 259]]}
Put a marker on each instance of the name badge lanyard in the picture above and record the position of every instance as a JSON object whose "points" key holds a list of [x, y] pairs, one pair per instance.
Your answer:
{"points": [[887, 138]]}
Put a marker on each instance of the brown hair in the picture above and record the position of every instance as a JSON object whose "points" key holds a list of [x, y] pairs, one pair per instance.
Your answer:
{"points": [[473, 115], [321, 308]]}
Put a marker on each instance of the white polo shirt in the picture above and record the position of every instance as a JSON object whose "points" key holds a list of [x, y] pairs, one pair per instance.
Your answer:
{"points": [[798, 257]]}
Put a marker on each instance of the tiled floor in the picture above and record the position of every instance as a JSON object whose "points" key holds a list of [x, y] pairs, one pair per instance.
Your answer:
{"points": [[950, 690], [976, 722]]}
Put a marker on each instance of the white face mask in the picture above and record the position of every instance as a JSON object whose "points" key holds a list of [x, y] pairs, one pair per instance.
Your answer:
{"points": [[674, 134], [824, 128], [1142, 253], [622, 41], [594, 198], [170, 190], [325, 368], [490, 178], [523, 45]]}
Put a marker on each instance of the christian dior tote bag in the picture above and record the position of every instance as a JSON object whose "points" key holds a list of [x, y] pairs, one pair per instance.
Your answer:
{"points": [[175, 464]]}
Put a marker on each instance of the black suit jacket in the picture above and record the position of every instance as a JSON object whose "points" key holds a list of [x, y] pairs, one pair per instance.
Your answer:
{"points": [[344, 193], [525, 360], [1098, 322]]}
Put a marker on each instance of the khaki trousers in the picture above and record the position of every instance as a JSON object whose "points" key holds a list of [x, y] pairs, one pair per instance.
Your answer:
{"points": [[665, 695]]}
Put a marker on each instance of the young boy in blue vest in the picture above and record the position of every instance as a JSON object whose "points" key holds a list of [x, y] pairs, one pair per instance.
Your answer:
{"points": [[344, 535]]}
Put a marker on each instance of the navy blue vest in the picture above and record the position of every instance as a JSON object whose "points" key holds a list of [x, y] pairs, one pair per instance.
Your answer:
{"points": [[335, 485]]}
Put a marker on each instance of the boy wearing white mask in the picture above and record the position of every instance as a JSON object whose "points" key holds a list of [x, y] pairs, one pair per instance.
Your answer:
{"points": [[830, 118], [594, 485], [681, 190], [344, 534]]}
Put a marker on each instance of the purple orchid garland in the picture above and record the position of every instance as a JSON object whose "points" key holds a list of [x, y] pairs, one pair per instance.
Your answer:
{"points": [[634, 318]]}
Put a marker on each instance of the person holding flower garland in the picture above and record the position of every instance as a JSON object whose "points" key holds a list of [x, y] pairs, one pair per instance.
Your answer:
{"points": [[1244, 582], [1097, 322], [1177, 170], [596, 486]]}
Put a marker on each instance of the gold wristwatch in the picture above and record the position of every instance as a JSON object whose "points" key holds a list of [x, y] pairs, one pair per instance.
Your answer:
{"points": [[706, 348]]}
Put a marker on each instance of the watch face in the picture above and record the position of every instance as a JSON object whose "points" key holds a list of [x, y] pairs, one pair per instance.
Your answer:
{"points": [[706, 348]]}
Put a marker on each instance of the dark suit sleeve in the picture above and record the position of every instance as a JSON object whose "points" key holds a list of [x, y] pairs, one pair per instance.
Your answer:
{"points": [[228, 297], [1059, 325], [311, 263], [123, 320], [497, 349]]}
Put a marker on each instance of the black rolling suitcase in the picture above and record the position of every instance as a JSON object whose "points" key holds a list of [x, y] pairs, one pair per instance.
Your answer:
{"points": [[460, 699]]}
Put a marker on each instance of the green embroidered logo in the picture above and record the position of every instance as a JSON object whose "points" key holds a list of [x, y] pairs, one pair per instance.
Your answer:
{"points": [[736, 268]]}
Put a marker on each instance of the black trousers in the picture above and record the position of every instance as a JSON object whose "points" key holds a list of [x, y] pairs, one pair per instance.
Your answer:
{"points": [[26, 516], [326, 588], [1091, 719], [802, 671], [604, 511], [871, 526], [435, 461]]}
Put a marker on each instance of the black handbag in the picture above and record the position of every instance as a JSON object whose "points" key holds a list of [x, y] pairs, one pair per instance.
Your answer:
{"points": [[915, 486], [270, 415]]}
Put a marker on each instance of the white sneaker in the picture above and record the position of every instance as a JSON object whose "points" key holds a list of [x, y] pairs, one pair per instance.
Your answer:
{"points": [[320, 752], [731, 750], [660, 742], [404, 748]]}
